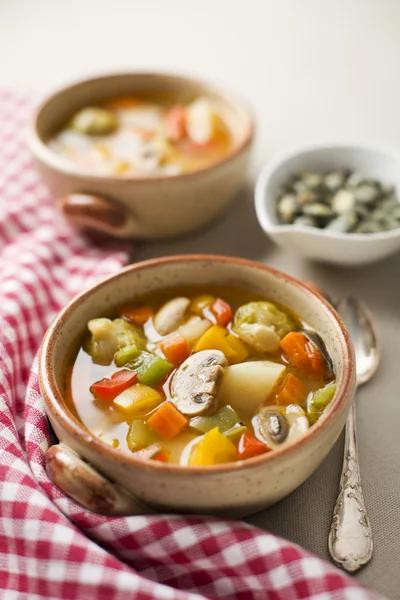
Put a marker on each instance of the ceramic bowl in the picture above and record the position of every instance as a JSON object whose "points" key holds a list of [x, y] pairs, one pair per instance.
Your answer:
{"points": [[122, 483], [347, 249], [155, 207]]}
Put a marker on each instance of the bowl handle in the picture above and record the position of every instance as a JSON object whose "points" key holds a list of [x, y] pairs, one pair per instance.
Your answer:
{"points": [[99, 214], [77, 479]]}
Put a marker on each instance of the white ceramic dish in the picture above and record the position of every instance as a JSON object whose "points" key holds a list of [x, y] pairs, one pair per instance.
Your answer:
{"points": [[347, 249]]}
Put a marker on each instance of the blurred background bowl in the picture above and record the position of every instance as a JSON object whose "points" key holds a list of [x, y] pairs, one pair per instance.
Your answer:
{"points": [[153, 207], [347, 249]]}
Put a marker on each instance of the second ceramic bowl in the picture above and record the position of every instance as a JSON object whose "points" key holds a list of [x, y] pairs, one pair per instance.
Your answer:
{"points": [[151, 207]]}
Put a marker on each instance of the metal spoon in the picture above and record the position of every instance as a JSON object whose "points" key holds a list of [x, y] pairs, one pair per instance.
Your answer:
{"points": [[350, 537]]}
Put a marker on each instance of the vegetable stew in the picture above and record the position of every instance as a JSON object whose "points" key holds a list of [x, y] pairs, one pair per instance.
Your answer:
{"points": [[199, 379], [144, 137]]}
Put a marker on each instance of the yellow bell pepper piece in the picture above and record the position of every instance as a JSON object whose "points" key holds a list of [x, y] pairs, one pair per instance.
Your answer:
{"points": [[214, 448], [219, 338], [199, 303], [138, 400], [238, 347]]}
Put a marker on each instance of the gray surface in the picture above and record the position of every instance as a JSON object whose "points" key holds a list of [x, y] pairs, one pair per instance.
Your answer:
{"points": [[304, 517]]}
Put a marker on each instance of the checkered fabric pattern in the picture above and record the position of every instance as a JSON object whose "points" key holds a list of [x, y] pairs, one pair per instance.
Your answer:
{"points": [[49, 546]]}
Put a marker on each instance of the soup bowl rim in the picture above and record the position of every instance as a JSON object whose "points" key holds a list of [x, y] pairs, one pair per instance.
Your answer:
{"points": [[55, 403], [43, 152]]}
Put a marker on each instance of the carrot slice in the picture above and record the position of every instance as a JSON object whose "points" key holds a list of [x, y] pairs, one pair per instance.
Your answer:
{"points": [[167, 421], [290, 390], [108, 389], [175, 349], [250, 446], [304, 355], [161, 456], [175, 121], [222, 312], [136, 314]]}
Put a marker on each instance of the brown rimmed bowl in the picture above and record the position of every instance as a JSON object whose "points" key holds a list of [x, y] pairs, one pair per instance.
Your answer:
{"points": [[129, 207], [120, 483]]}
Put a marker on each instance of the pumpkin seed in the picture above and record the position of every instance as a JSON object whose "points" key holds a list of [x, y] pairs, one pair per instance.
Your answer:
{"points": [[354, 180], [312, 180], [306, 198], [387, 189], [369, 227], [287, 208], [396, 211], [343, 223], [318, 210], [366, 193], [300, 187], [305, 221], [343, 201], [335, 180]]}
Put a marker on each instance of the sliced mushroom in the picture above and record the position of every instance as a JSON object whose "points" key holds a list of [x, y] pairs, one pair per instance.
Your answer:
{"points": [[278, 425], [171, 315], [194, 385]]}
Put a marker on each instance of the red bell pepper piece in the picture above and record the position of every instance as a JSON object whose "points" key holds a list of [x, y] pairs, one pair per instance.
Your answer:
{"points": [[108, 389], [222, 312], [250, 446]]}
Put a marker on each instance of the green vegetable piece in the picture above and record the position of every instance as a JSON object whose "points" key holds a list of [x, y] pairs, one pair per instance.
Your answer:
{"points": [[140, 435], [263, 313], [108, 337], [129, 334], [225, 418], [151, 369], [126, 355], [235, 433], [317, 402], [94, 121]]}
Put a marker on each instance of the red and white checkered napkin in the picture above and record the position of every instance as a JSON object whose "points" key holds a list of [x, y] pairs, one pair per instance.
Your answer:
{"points": [[49, 546]]}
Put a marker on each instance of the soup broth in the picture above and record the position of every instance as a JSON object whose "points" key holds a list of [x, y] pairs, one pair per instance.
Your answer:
{"points": [[199, 377]]}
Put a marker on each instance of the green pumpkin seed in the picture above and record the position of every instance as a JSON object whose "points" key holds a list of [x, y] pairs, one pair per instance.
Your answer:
{"points": [[387, 189], [306, 198], [287, 208], [305, 221], [396, 211], [343, 223], [390, 223], [354, 180], [312, 180], [366, 193], [335, 180], [318, 210], [369, 227]]}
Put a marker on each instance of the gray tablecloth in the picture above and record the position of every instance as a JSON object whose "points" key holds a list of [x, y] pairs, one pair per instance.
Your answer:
{"points": [[304, 517]]}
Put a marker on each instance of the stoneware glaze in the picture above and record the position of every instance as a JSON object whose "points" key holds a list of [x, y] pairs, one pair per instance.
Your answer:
{"points": [[346, 249], [235, 489], [154, 207]]}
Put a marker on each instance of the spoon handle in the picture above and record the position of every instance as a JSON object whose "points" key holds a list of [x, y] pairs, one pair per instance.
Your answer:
{"points": [[350, 537]]}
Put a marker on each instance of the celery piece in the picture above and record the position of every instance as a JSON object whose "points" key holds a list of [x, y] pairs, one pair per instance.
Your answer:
{"points": [[317, 402], [234, 433], [225, 418], [140, 435], [151, 369], [126, 355]]}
